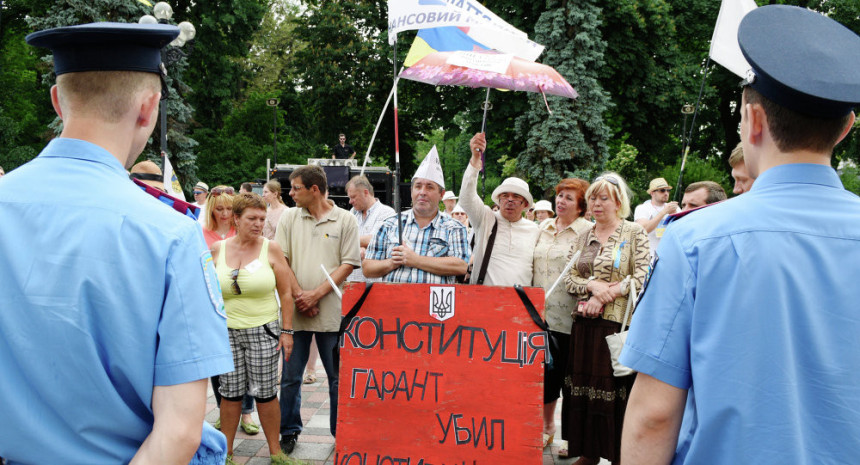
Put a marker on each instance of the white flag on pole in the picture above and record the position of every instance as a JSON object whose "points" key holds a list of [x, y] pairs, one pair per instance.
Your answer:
{"points": [[171, 183], [724, 43], [484, 25]]}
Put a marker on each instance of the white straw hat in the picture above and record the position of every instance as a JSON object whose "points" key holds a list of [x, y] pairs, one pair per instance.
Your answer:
{"points": [[514, 186]]}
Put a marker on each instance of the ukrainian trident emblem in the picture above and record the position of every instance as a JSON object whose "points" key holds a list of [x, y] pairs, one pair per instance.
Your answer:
{"points": [[441, 302]]}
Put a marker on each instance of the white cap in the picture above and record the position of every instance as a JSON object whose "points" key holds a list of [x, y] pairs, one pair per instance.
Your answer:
{"points": [[449, 195], [431, 169], [514, 186], [458, 209], [543, 205]]}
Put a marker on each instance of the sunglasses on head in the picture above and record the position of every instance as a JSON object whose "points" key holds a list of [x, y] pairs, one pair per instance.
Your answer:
{"points": [[223, 190], [235, 285], [609, 179]]}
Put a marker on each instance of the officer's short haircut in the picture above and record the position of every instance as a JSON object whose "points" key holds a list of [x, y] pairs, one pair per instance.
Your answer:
{"points": [[737, 156], [106, 95], [716, 193], [311, 175], [360, 182], [793, 131], [246, 200]]}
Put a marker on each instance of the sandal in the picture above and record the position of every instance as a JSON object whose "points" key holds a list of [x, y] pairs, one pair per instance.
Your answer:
{"points": [[547, 439], [562, 449], [250, 428], [310, 378]]}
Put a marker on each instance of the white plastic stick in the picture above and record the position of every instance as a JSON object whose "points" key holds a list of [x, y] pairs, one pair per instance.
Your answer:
{"points": [[331, 281], [563, 274]]}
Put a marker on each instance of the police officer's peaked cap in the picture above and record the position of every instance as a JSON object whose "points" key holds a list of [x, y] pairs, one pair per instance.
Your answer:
{"points": [[106, 46], [802, 60]]}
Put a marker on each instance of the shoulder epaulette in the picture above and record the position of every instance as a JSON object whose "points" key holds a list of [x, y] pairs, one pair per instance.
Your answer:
{"points": [[677, 216], [183, 207]]}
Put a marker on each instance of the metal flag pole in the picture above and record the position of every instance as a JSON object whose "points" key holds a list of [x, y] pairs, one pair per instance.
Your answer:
{"points": [[397, 154], [379, 123], [486, 107], [689, 139]]}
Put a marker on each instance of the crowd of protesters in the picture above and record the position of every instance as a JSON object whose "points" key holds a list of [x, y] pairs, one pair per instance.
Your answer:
{"points": [[740, 351]]}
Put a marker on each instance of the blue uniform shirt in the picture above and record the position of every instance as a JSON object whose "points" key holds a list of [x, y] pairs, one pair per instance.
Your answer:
{"points": [[104, 292], [753, 305]]}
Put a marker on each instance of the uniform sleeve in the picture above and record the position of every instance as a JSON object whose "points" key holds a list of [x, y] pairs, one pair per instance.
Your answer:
{"points": [[658, 343], [378, 247], [192, 330], [350, 250]]}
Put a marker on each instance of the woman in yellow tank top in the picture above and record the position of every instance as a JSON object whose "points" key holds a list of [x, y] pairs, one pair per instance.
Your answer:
{"points": [[250, 270]]}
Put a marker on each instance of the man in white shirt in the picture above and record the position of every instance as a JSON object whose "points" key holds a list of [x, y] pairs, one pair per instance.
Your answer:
{"points": [[511, 257], [651, 212], [369, 212]]}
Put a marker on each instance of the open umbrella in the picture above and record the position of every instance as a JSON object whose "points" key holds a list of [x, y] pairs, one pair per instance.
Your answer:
{"points": [[491, 70]]}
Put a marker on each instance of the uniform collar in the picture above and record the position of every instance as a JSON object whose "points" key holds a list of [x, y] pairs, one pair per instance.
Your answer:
{"points": [[77, 149], [798, 173]]}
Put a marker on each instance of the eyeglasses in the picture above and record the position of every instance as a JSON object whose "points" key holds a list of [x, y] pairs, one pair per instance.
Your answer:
{"points": [[511, 197], [235, 286], [663, 190], [297, 188], [609, 179], [223, 190]]}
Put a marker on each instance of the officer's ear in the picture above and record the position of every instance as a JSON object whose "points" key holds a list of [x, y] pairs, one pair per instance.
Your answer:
{"points": [[148, 108], [55, 101], [847, 127]]}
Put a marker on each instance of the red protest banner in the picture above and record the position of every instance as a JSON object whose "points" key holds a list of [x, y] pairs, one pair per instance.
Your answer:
{"points": [[440, 375]]}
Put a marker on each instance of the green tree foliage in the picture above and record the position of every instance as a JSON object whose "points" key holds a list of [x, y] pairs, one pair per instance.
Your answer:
{"points": [[572, 140], [25, 107], [216, 66]]}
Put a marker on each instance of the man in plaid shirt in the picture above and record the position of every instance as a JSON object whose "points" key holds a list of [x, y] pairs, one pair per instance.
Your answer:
{"points": [[435, 248]]}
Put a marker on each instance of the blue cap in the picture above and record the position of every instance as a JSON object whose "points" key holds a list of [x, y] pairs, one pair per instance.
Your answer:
{"points": [[802, 60], [106, 46]]}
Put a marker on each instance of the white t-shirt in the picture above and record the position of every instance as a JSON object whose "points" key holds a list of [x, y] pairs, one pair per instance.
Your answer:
{"points": [[647, 211]]}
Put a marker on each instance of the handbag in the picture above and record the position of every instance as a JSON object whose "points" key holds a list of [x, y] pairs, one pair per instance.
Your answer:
{"points": [[616, 341]]}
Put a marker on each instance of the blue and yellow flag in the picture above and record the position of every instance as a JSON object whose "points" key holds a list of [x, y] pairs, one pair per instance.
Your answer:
{"points": [[441, 39]]}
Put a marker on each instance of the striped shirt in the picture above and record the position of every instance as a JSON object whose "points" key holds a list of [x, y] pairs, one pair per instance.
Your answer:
{"points": [[376, 214], [443, 237]]}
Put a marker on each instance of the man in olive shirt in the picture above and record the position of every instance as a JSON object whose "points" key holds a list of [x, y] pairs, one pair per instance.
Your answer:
{"points": [[317, 232]]}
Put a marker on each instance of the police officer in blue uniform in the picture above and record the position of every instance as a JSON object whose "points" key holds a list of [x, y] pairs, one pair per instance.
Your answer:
{"points": [[745, 336], [111, 319]]}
